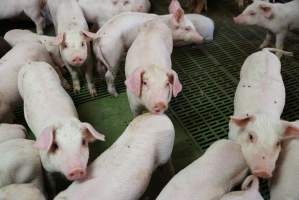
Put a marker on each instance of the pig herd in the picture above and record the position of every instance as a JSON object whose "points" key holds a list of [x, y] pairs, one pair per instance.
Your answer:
{"points": [[260, 145]]}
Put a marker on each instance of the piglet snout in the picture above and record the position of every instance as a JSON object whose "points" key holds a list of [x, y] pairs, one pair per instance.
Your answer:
{"points": [[237, 19], [76, 174], [262, 174], [160, 107], [77, 60]]}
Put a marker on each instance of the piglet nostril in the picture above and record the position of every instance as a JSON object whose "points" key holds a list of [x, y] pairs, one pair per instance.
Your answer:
{"points": [[263, 157]]}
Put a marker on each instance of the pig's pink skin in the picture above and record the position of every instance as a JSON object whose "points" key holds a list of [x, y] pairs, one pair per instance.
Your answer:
{"points": [[60, 135], [277, 18], [32, 8], [118, 34], [128, 164], [285, 181], [20, 163], [11, 131], [250, 191], [259, 102], [149, 78], [10, 64], [210, 176], [21, 192], [72, 37], [16, 36], [100, 12]]}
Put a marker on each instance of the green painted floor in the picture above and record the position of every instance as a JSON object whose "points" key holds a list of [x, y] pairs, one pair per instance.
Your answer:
{"points": [[209, 74]]}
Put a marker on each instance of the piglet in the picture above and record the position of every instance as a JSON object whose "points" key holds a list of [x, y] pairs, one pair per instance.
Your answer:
{"points": [[118, 34], [124, 170], [285, 181], [21, 192], [19, 162], [16, 36], [99, 12], [73, 40], [250, 191], [259, 102], [10, 64], [150, 80], [209, 177], [53, 119], [11, 131], [277, 18], [4, 47], [32, 8], [204, 25]]}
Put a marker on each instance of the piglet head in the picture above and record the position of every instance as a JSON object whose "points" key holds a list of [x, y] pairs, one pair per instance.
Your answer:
{"points": [[183, 30], [66, 147], [260, 139], [154, 87], [74, 46], [258, 13]]}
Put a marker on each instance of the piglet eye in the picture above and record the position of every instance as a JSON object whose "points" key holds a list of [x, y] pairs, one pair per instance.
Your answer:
{"points": [[176, 27], [167, 84], [64, 45], [278, 144], [252, 13], [144, 83], [187, 29], [84, 142], [251, 137], [54, 147], [82, 44], [126, 3], [114, 2]]}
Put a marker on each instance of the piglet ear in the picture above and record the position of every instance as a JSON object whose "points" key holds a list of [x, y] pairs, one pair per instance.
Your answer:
{"points": [[176, 10], [176, 84], [291, 130], [46, 139], [242, 121], [59, 39], [90, 133], [89, 35], [267, 10], [251, 183], [134, 80]]}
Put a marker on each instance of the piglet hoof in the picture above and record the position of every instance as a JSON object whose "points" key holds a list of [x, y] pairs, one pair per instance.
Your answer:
{"points": [[76, 89], [113, 92], [65, 84], [93, 92]]}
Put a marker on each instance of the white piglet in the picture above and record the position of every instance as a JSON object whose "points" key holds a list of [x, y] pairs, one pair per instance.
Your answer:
{"points": [[21, 192], [100, 12], [17, 36], [10, 64], [285, 181], [72, 37], [277, 18], [11, 131], [20, 161], [32, 8], [118, 34], [53, 119], [150, 80], [204, 25], [258, 104], [128, 164], [209, 177], [250, 191]]}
